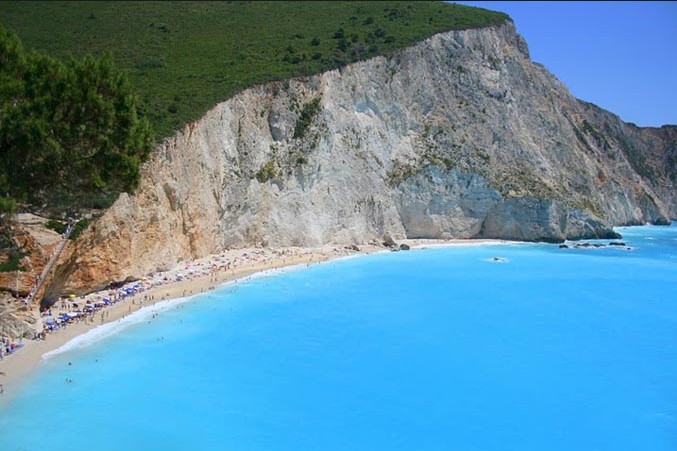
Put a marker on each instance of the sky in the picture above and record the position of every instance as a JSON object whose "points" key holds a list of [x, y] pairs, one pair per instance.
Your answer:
{"points": [[621, 56]]}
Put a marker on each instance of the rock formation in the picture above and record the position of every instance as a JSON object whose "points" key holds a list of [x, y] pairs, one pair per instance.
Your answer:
{"points": [[458, 136]]}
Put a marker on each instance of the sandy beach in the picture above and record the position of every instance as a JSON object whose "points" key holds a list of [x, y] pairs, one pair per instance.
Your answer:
{"points": [[185, 279]]}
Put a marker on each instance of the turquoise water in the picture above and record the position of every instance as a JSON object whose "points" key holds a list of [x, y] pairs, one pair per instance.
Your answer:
{"points": [[436, 349]]}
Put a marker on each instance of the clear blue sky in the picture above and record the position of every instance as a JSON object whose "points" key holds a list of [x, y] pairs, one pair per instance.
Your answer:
{"points": [[621, 56]]}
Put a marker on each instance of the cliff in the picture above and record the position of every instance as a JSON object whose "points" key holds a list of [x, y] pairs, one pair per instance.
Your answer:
{"points": [[458, 136]]}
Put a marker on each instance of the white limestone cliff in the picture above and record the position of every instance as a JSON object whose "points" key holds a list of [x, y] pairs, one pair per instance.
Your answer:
{"points": [[458, 136]]}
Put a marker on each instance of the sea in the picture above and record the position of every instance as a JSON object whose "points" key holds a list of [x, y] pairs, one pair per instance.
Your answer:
{"points": [[504, 347]]}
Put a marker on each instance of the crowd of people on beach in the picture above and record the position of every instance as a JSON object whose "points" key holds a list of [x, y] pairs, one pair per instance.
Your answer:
{"points": [[9, 346], [89, 308]]}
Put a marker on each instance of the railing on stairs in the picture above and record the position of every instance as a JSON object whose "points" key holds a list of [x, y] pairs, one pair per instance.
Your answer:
{"points": [[52, 261]]}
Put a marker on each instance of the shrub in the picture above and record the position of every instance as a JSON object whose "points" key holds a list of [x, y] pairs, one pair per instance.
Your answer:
{"points": [[266, 172], [57, 226], [79, 227], [13, 263], [306, 118], [7, 205]]}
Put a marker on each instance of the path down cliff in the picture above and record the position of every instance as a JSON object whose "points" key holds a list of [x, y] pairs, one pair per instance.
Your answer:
{"points": [[458, 136]]}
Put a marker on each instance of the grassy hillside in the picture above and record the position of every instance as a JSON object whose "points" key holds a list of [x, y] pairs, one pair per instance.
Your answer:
{"points": [[183, 58]]}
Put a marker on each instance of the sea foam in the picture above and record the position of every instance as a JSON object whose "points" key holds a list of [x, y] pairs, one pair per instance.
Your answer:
{"points": [[109, 329]]}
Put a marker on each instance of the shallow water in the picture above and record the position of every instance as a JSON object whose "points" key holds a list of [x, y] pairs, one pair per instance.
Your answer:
{"points": [[437, 349]]}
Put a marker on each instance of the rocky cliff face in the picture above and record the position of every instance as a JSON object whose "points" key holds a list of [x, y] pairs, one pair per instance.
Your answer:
{"points": [[459, 136]]}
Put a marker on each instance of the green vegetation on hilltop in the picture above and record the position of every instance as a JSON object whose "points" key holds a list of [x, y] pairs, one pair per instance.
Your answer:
{"points": [[185, 57]]}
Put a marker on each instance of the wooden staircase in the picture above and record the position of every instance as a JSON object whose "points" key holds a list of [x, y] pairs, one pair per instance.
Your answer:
{"points": [[50, 264]]}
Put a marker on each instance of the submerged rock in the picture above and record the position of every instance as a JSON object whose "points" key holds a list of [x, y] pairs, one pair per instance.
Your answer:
{"points": [[587, 245]]}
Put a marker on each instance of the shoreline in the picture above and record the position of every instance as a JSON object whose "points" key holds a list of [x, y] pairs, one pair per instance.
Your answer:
{"points": [[16, 368]]}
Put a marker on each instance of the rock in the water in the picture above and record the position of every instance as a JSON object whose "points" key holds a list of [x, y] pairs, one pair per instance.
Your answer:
{"points": [[404, 247], [663, 221], [588, 245]]}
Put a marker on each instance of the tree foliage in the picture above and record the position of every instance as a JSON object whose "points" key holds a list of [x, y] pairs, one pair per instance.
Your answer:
{"points": [[66, 127]]}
